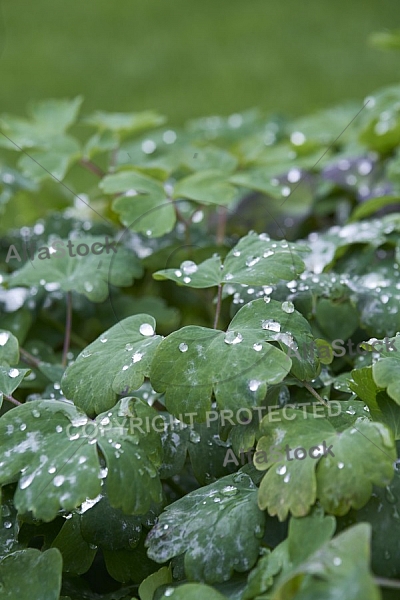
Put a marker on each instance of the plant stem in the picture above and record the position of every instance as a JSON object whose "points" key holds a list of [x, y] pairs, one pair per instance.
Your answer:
{"points": [[68, 325], [92, 167], [29, 359], [387, 583], [222, 216], [314, 393], [218, 309], [12, 399]]}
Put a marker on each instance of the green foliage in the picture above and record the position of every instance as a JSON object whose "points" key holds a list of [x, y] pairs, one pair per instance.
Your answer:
{"points": [[151, 393]]}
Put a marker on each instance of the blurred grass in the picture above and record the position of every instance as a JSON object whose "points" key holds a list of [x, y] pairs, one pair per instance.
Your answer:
{"points": [[193, 57]]}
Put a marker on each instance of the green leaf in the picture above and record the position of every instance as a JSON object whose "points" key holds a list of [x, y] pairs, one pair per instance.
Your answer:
{"points": [[362, 456], [118, 361], [153, 581], [49, 119], [339, 569], [255, 260], [125, 124], [386, 373], [209, 158], [28, 574], [208, 187], [144, 207], [50, 448], [10, 378], [77, 554], [382, 512], [52, 163], [305, 536], [237, 365], [9, 348], [218, 527], [89, 274]]}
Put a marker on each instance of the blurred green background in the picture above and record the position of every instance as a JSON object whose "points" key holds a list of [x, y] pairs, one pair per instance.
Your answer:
{"points": [[188, 58]]}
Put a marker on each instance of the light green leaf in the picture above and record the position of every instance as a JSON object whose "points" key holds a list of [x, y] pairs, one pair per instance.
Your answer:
{"points": [[338, 569], [386, 372], [116, 363], [255, 260], [153, 581], [218, 527], [49, 119], [105, 264], [125, 123], [53, 162], [208, 186], [49, 447], [144, 207], [9, 348], [28, 574], [362, 456], [10, 378]]}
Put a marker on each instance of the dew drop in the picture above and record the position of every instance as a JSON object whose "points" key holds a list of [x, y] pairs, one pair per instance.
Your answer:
{"points": [[254, 385], [257, 347], [58, 480], [288, 307], [146, 329], [183, 347], [137, 357], [4, 336], [340, 465], [189, 267], [281, 470], [186, 280], [13, 373], [233, 337], [229, 490], [337, 561], [250, 262], [271, 325]]}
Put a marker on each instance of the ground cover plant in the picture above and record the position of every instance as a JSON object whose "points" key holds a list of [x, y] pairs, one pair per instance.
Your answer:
{"points": [[199, 354]]}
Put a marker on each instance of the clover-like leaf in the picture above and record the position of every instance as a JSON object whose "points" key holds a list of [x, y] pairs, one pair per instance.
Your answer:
{"points": [[113, 364], [386, 370], [336, 467], [49, 447], [338, 569], [208, 186], [125, 124], [218, 527], [10, 378], [305, 536], [9, 347], [49, 120], [255, 260], [29, 573], [236, 365], [144, 207], [53, 162], [101, 264]]}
